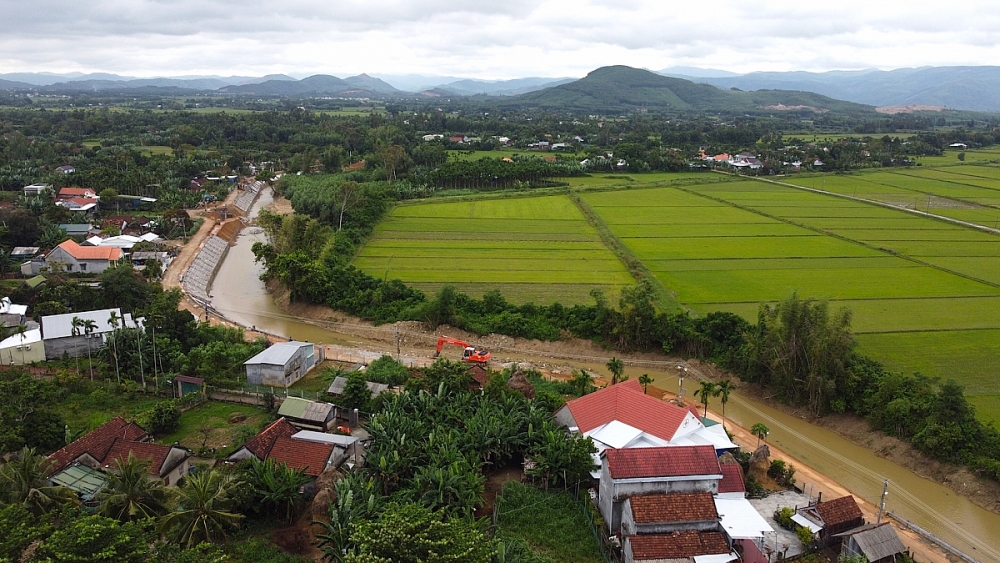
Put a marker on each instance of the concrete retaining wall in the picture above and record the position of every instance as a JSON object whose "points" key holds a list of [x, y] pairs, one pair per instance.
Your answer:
{"points": [[199, 276], [245, 200]]}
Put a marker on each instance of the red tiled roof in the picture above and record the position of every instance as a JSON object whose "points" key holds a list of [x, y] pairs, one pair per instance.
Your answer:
{"points": [[90, 252], [678, 545], [666, 461], [76, 192], [308, 457], [673, 507], [732, 479], [98, 442], [155, 453], [479, 375], [839, 511], [261, 444], [625, 402]]}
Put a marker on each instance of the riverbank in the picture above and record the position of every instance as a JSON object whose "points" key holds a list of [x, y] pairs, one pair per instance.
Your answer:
{"points": [[239, 296]]}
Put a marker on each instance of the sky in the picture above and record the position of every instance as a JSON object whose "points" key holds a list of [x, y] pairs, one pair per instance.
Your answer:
{"points": [[487, 39]]}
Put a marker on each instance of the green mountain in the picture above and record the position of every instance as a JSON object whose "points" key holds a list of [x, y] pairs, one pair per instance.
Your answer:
{"points": [[622, 88]]}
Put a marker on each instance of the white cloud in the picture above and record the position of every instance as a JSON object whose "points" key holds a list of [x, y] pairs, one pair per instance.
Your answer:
{"points": [[486, 39]]}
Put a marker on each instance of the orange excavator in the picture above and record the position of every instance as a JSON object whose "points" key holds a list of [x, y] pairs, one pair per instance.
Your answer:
{"points": [[470, 354]]}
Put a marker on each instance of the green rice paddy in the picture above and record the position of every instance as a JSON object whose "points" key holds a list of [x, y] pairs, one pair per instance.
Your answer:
{"points": [[924, 291]]}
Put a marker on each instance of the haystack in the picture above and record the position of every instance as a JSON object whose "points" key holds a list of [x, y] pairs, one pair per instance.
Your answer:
{"points": [[518, 382], [760, 462]]}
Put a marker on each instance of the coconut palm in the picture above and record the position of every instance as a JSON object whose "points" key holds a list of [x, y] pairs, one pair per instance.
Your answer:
{"points": [[204, 511], [23, 479], [616, 367], [113, 320], [77, 325], [130, 494], [645, 380], [20, 331], [89, 327], [760, 431], [723, 390], [707, 390]]}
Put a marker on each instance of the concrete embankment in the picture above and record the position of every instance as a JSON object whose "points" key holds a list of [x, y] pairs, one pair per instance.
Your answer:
{"points": [[198, 278]]}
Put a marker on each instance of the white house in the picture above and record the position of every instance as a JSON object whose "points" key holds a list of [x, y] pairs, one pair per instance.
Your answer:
{"points": [[74, 258], [23, 349], [60, 337]]}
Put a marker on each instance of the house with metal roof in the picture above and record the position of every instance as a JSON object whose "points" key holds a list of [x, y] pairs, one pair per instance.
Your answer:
{"points": [[281, 364], [23, 349], [308, 415], [340, 384], [61, 337], [12, 314], [878, 543]]}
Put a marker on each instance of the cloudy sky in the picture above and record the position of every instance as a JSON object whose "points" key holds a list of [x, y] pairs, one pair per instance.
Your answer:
{"points": [[487, 39]]}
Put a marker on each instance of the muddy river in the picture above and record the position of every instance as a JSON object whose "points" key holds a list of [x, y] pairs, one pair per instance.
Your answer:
{"points": [[240, 296]]}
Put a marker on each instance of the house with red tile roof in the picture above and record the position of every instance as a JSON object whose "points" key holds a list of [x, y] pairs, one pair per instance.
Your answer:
{"points": [[622, 416], [115, 440], [833, 517], [74, 258], [668, 513], [642, 471], [732, 484], [66, 193], [675, 547], [282, 442]]}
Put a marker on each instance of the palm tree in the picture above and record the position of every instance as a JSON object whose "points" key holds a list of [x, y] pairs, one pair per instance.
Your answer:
{"points": [[77, 325], [707, 390], [204, 511], [276, 487], [19, 331], [23, 479], [760, 431], [113, 321], [129, 493], [89, 327], [723, 390], [645, 380], [616, 367]]}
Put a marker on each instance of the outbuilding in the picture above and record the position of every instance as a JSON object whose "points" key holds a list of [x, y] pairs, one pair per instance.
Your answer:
{"points": [[281, 364]]}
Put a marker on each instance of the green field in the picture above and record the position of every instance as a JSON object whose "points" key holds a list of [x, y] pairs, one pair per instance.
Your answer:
{"points": [[538, 249], [924, 292]]}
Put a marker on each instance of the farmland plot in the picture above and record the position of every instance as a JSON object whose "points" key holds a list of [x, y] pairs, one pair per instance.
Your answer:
{"points": [[925, 294], [538, 249]]}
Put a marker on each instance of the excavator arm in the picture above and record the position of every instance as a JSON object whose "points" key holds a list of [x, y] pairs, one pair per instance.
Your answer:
{"points": [[469, 354]]}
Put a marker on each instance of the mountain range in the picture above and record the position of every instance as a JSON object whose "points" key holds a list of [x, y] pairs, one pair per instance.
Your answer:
{"points": [[962, 88]]}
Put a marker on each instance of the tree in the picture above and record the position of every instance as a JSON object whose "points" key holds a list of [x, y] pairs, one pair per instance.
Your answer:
{"points": [[356, 392], [582, 382], [348, 193], [153, 270], [707, 390], [114, 320], [356, 500], [723, 390], [24, 480], [97, 539], [645, 380], [760, 431], [204, 511], [274, 488], [89, 327], [616, 367], [163, 418], [561, 458], [129, 494], [409, 533]]}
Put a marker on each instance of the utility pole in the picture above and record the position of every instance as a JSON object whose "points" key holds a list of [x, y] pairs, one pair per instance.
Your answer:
{"points": [[881, 506]]}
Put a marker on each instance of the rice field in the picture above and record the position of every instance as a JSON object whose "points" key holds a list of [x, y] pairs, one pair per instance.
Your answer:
{"points": [[537, 249], [925, 294]]}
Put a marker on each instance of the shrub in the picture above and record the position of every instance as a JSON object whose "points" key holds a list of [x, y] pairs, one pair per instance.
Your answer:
{"points": [[387, 370], [805, 536], [783, 516], [163, 418]]}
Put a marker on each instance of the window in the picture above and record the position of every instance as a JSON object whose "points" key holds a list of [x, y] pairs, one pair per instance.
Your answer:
{"points": [[69, 267], [83, 267]]}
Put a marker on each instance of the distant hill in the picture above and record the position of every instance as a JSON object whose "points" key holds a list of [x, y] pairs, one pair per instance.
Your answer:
{"points": [[690, 71], [622, 88], [14, 85], [472, 87], [320, 84], [973, 88]]}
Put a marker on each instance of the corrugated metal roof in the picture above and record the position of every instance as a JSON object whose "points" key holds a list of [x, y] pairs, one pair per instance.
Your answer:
{"points": [[277, 354], [877, 541], [61, 326], [336, 439], [29, 337], [340, 383], [304, 409], [293, 407], [85, 481]]}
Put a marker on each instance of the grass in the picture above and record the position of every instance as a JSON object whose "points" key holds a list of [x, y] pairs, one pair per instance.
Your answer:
{"points": [[552, 523], [214, 417], [538, 249], [93, 406]]}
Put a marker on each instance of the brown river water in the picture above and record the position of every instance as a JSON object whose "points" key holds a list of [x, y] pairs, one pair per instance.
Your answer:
{"points": [[240, 296]]}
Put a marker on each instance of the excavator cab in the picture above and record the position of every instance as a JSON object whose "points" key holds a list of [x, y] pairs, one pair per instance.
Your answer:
{"points": [[469, 353]]}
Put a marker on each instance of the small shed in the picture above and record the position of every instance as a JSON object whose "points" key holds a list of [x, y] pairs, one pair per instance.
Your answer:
{"points": [[306, 414], [187, 384], [340, 383], [281, 364], [879, 543], [24, 252]]}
